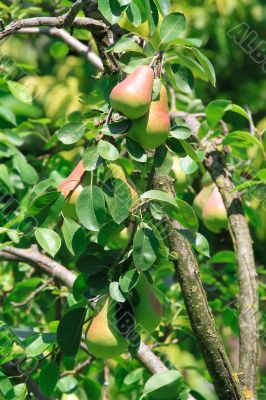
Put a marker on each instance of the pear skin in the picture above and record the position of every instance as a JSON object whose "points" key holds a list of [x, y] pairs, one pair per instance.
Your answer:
{"points": [[152, 129], [132, 96], [103, 337], [201, 199], [149, 311], [214, 213]]}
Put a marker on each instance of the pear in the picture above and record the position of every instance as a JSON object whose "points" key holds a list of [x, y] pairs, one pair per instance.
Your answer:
{"points": [[181, 179], [152, 129], [214, 213], [209, 206], [149, 310], [103, 337], [132, 96]]}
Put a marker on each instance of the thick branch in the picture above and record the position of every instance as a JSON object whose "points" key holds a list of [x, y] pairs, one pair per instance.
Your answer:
{"points": [[187, 273], [247, 276], [57, 22], [72, 42], [146, 356]]}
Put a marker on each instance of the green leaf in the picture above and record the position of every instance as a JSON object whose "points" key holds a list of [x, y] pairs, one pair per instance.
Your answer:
{"points": [[49, 376], [111, 9], [71, 132], [224, 257], [134, 376], [128, 280], [261, 174], [91, 208], [239, 110], [4, 177], [193, 154], [43, 201], [180, 132], [206, 64], [131, 60], [107, 151], [20, 92], [163, 382], [23, 289], [172, 25], [242, 139], [18, 392], [40, 343], [8, 115], [136, 12], [91, 159], [215, 111], [118, 198], [67, 384], [136, 151], [49, 240], [26, 171], [163, 6], [74, 236], [183, 213], [183, 77], [198, 241], [125, 43], [116, 293], [145, 249], [69, 330], [188, 165], [159, 195], [156, 88], [152, 15]]}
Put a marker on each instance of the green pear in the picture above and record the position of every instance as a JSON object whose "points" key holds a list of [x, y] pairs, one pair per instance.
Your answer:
{"points": [[152, 129], [214, 213], [132, 96], [103, 337], [181, 179], [149, 310]]}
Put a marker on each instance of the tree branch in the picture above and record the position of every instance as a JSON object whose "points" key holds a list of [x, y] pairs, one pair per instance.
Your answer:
{"points": [[72, 12], [146, 356], [247, 275], [56, 22], [72, 42], [187, 273]]}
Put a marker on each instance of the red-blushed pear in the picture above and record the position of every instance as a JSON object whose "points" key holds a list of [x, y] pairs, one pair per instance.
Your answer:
{"points": [[149, 310], [152, 129], [132, 96], [201, 198], [214, 213], [209, 206], [103, 337]]}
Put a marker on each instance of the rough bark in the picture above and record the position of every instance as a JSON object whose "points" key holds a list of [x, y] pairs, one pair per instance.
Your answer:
{"points": [[247, 276], [187, 273]]}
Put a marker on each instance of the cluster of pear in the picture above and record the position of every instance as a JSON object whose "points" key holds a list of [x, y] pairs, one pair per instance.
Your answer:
{"points": [[209, 206], [106, 339], [150, 118]]}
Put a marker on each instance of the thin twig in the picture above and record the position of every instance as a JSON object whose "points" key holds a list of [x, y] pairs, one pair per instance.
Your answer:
{"points": [[33, 294]]}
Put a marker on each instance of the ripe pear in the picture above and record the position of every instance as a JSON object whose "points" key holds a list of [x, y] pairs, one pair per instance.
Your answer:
{"points": [[214, 213], [209, 205], [152, 129], [103, 337], [149, 310], [132, 96]]}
